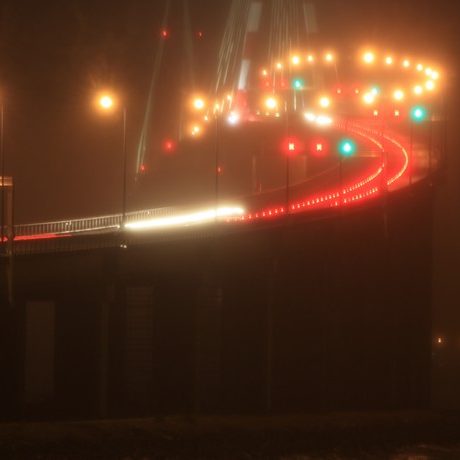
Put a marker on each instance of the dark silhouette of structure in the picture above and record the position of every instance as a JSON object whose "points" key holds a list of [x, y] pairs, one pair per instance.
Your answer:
{"points": [[301, 313]]}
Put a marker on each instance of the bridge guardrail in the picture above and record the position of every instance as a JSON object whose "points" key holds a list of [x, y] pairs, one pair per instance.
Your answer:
{"points": [[92, 224]]}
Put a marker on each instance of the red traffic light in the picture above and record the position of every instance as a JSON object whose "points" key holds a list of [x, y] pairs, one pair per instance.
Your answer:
{"points": [[169, 146], [319, 148], [292, 146]]}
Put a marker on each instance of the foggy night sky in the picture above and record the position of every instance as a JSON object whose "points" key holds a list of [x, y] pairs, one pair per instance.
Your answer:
{"points": [[66, 159], [53, 56]]}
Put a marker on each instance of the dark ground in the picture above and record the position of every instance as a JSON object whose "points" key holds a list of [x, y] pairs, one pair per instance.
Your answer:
{"points": [[396, 436]]}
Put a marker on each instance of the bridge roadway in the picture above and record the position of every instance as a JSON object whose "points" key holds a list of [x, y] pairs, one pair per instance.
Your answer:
{"points": [[389, 170]]}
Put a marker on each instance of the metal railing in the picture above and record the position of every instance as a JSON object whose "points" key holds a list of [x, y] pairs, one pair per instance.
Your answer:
{"points": [[93, 224]]}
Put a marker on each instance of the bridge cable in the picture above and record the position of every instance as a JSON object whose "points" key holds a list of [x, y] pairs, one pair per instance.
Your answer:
{"points": [[188, 77], [145, 132]]}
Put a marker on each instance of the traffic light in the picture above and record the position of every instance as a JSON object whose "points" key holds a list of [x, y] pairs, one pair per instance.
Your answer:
{"points": [[169, 146], [298, 84], [347, 147], [292, 146], [319, 148], [418, 114]]}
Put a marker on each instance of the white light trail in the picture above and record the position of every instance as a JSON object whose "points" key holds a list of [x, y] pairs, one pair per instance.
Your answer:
{"points": [[323, 120], [320, 120], [199, 217]]}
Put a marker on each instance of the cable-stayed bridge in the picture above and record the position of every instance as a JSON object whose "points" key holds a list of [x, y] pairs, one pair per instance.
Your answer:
{"points": [[317, 131]]}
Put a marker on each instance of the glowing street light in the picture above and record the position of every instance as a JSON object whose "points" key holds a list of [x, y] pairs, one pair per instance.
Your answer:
{"points": [[324, 102], [196, 130], [398, 95], [369, 57], [295, 60], [418, 90], [106, 102], [271, 103], [389, 60], [329, 57], [199, 103], [430, 85], [369, 98]]}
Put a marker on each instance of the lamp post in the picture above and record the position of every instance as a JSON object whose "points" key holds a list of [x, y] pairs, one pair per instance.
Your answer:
{"points": [[123, 215], [217, 160], [107, 103], [289, 150], [2, 166], [384, 159], [417, 115]]}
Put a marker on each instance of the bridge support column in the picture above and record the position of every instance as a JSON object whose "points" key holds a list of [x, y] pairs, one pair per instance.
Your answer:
{"points": [[103, 411], [6, 241], [208, 321]]}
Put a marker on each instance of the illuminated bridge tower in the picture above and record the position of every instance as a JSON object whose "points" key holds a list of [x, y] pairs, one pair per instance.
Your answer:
{"points": [[256, 32], [260, 31]]}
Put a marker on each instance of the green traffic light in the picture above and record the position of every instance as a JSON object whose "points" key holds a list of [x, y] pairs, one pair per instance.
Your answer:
{"points": [[347, 147], [298, 84], [418, 114]]}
